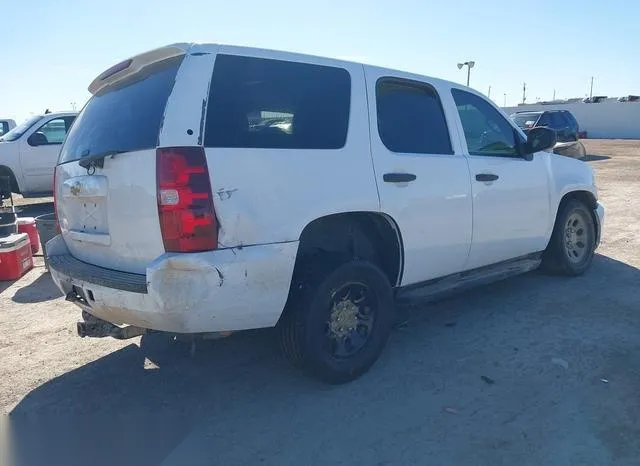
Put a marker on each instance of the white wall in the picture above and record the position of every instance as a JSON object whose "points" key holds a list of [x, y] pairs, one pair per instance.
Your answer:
{"points": [[606, 120]]}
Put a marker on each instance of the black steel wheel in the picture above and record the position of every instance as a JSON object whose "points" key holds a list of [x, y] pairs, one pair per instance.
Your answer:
{"points": [[337, 322]]}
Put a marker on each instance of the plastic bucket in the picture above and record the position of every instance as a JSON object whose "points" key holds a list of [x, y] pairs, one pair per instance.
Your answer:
{"points": [[46, 225]]}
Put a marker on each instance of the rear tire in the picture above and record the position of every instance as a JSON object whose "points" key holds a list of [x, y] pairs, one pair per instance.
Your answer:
{"points": [[572, 245], [338, 320]]}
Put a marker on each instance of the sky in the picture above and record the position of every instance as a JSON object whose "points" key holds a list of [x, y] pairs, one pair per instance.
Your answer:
{"points": [[54, 49]]}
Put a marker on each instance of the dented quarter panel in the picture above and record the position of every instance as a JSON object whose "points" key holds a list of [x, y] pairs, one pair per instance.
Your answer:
{"points": [[270, 195]]}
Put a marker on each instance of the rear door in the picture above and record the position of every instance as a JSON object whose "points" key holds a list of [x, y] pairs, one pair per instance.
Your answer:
{"points": [[107, 209], [423, 179], [39, 149]]}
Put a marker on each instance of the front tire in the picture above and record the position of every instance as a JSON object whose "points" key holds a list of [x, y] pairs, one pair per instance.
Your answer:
{"points": [[573, 242], [338, 321]]}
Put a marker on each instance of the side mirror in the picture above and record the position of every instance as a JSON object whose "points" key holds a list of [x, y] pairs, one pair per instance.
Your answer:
{"points": [[37, 139], [539, 139]]}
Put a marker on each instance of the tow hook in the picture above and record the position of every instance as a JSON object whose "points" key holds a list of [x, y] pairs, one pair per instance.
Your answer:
{"points": [[98, 328]]}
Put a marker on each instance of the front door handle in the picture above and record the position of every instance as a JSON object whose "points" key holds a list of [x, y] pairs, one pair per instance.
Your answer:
{"points": [[486, 177], [398, 177]]}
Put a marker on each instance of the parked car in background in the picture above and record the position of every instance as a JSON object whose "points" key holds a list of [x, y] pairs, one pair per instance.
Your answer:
{"points": [[6, 125], [562, 122], [29, 152], [177, 213]]}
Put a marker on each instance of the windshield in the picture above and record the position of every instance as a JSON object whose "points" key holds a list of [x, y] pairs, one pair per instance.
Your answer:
{"points": [[525, 120], [123, 118], [19, 130]]}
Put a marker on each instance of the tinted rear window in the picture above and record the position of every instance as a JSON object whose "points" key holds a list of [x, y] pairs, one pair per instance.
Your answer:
{"points": [[264, 103], [410, 118], [123, 118]]}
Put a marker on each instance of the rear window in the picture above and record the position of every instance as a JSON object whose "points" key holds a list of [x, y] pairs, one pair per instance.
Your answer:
{"points": [[525, 120], [123, 118], [274, 104], [4, 127]]}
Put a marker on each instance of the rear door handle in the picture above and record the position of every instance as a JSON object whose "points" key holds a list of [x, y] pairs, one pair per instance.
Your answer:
{"points": [[486, 177], [398, 177]]}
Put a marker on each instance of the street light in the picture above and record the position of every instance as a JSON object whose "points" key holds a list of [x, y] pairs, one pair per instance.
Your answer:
{"points": [[469, 65]]}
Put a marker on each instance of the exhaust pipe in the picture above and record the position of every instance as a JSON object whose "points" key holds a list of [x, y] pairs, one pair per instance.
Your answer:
{"points": [[98, 328]]}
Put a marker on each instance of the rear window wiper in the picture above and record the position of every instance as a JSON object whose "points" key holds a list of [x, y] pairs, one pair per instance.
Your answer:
{"points": [[97, 160]]}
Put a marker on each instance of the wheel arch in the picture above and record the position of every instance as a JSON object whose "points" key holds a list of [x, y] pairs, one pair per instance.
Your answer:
{"points": [[356, 235], [7, 171], [585, 196]]}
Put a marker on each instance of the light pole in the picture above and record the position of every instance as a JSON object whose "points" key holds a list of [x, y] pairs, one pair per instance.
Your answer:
{"points": [[505, 99], [469, 65]]}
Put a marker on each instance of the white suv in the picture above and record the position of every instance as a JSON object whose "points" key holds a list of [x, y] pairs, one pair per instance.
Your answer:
{"points": [[209, 188]]}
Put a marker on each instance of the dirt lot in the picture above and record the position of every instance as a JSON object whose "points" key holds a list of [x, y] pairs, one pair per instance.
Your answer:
{"points": [[535, 370]]}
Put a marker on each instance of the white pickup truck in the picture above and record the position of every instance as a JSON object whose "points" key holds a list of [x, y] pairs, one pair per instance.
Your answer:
{"points": [[209, 188], [29, 153], [6, 125]]}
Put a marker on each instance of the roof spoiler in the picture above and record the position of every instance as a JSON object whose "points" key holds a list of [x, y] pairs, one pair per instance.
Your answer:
{"points": [[133, 65]]}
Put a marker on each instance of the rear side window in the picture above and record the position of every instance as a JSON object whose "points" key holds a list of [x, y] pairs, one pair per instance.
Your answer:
{"points": [[4, 127], [125, 117], [274, 104], [410, 118], [573, 123], [558, 120], [545, 120]]}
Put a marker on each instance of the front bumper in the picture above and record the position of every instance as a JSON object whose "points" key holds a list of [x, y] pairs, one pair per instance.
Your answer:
{"points": [[223, 290], [599, 216]]}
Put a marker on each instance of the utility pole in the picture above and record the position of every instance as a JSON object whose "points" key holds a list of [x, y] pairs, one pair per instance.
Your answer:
{"points": [[554, 94], [524, 93], [489, 95], [591, 90]]}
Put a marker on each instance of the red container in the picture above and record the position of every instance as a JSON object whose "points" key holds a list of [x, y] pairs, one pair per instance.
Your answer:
{"points": [[28, 225], [15, 256]]}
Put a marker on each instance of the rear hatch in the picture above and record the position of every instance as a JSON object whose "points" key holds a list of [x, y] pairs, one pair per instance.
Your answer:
{"points": [[105, 183]]}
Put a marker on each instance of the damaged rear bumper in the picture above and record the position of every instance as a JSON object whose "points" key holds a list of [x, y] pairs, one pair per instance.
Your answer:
{"points": [[223, 290]]}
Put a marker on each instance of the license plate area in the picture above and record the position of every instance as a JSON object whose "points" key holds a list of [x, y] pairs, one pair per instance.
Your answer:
{"points": [[84, 210]]}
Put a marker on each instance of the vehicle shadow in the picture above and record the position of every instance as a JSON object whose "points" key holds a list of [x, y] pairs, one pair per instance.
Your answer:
{"points": [[235, 401], [595, 158], [40, 290]]}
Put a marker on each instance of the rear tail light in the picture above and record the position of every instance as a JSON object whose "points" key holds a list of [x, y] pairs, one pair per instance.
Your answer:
{"points": [[185, 201], [55, 200]]}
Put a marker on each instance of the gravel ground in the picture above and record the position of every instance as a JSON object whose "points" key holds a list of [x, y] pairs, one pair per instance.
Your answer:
{"points": [[534, 370]]}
